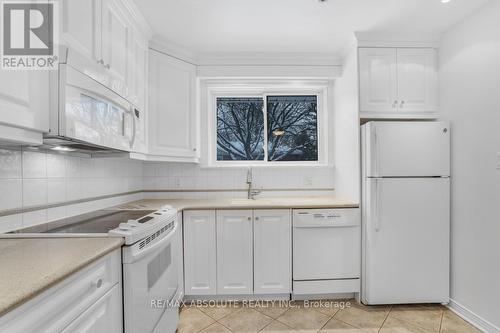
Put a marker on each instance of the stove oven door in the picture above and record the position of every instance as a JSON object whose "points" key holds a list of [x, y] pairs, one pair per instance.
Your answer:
{"points": [[151, 282]]}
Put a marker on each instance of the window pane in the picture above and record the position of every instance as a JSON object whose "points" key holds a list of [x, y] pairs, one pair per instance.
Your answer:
{"points": [[292, 128], [240, 129]]}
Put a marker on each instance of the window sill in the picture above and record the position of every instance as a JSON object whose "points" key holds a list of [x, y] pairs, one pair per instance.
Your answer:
{"points": [[245, 165]]}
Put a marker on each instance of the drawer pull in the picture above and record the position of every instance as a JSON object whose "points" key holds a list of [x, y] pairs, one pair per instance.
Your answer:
{"points": [[97, 283]]}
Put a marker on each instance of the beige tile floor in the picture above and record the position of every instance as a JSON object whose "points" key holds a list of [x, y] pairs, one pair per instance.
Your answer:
{"points": [[296, 317]]}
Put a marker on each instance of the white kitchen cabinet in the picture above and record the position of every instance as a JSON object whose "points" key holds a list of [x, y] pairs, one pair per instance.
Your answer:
{"points": [[272, 252], [172, 110], [398, 82], [24, 105], [234, 252], [116, 44], [81, 27], [200, 253], [105, 315], [378, 79], [91, 296], [417, 80]]}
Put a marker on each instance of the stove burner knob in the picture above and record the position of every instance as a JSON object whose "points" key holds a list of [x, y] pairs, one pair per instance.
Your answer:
{"points": [[124, 227], [133, 223]]}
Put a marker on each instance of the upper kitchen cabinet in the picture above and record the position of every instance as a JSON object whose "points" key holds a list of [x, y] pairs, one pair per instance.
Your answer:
{"points": [[81, 27], [398, 82], [172, 109], [108, 41], [24, 104], [116, 46]]}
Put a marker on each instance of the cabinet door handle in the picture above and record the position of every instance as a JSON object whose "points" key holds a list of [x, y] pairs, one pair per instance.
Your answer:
{"points": [[107, 66], [249, 218], [101, 62], [97, 283], [256, 218], [394, 104], [401, 104]]}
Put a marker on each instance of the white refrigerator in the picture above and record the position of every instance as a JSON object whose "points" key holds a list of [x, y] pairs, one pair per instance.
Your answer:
{"points": [[405, 212]]}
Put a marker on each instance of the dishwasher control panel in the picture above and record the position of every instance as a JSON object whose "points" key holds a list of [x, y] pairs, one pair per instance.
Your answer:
{"points": [[326, 217]]}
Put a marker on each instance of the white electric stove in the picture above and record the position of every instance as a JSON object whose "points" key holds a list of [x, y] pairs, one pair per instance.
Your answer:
{"points": [[152, 261]]}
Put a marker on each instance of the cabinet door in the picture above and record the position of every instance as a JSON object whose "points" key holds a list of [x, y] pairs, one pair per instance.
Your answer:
{"points": [[272, 252], [417, 80], [378, 79], [24, 105], [172, 112], [139, 69], [115, 45], [81, 27], [200, 252], [234, 252], [138, 87], [105, 315]]}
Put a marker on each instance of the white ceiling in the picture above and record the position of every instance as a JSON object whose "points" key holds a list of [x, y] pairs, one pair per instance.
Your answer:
{"points": [[284, 26]]}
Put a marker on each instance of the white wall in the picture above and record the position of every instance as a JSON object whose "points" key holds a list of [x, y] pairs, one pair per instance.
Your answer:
{"points": [[470, 99], [346, 130], [30, 179]]}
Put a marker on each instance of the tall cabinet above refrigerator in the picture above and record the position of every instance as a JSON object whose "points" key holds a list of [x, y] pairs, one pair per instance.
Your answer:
{"points": [[405, 212]]}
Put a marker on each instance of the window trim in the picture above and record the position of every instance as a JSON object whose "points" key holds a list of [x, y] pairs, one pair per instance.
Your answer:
{"points": [[321, 93]]}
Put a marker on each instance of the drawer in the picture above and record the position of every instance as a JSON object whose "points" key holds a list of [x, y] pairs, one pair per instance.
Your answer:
{"points": [[55, 308]]}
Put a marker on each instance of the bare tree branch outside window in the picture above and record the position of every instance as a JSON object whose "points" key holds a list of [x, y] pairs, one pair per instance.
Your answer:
{"points": [[292, 128], [240, 129], [292, 131]]}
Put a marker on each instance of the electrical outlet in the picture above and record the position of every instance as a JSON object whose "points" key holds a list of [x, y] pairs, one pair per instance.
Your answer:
{"points": [[308, 181]]}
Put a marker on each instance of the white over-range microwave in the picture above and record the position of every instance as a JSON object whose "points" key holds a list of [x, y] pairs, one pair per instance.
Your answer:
{"points": [[86, 116]]}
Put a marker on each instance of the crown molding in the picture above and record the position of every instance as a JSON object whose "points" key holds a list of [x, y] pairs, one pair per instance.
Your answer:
{"points": [[218, 59], [398, 39], [172, 49], [136, 14], [268, 59]]}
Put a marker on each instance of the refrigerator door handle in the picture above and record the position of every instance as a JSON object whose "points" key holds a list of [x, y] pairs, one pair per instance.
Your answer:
{"points": [[376, 220], [375, 152]]}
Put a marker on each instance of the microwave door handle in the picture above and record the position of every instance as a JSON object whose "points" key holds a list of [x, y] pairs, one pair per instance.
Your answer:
{"points": [[134, 126]]}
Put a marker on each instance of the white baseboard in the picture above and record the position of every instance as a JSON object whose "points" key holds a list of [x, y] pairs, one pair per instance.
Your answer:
{"points": [[472, 318]]}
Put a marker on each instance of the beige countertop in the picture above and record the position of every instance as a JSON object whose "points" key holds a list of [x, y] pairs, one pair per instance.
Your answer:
{"points": [[228, 203], [29, 266]]}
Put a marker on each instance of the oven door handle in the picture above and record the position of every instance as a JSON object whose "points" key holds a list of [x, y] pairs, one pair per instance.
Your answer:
{"points": [[162, 242]]}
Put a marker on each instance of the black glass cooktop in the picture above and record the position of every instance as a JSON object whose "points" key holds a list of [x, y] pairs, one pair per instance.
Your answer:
{"points": [[100, 221]]}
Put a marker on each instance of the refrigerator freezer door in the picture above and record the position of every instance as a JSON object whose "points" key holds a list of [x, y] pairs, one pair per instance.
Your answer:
{"points": [[406, 149], [406, 226]]}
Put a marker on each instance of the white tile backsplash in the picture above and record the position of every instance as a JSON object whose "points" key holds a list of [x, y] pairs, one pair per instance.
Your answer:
{"points": [[34, 164], [10, 164], [34, 192], [11, 193], [31, 178], [171, 176]]}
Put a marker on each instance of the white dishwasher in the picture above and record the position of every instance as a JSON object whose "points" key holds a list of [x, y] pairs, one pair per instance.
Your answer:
{"points": [[326, 251]]}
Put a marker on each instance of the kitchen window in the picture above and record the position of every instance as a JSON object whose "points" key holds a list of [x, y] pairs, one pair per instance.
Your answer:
{"points": [[268, 129]]}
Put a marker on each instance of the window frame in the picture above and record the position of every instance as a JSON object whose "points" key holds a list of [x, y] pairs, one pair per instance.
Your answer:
{"points": [[321, 93]]}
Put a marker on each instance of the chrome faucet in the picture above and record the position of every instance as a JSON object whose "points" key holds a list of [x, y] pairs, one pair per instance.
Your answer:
{"points": [[251, 193]]}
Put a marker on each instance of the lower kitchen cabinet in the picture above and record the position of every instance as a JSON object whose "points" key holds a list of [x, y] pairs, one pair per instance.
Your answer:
{"points": [[272, 252], [105, 315], [234, 252], [200, 260], [87, 301], [237, 252]]}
